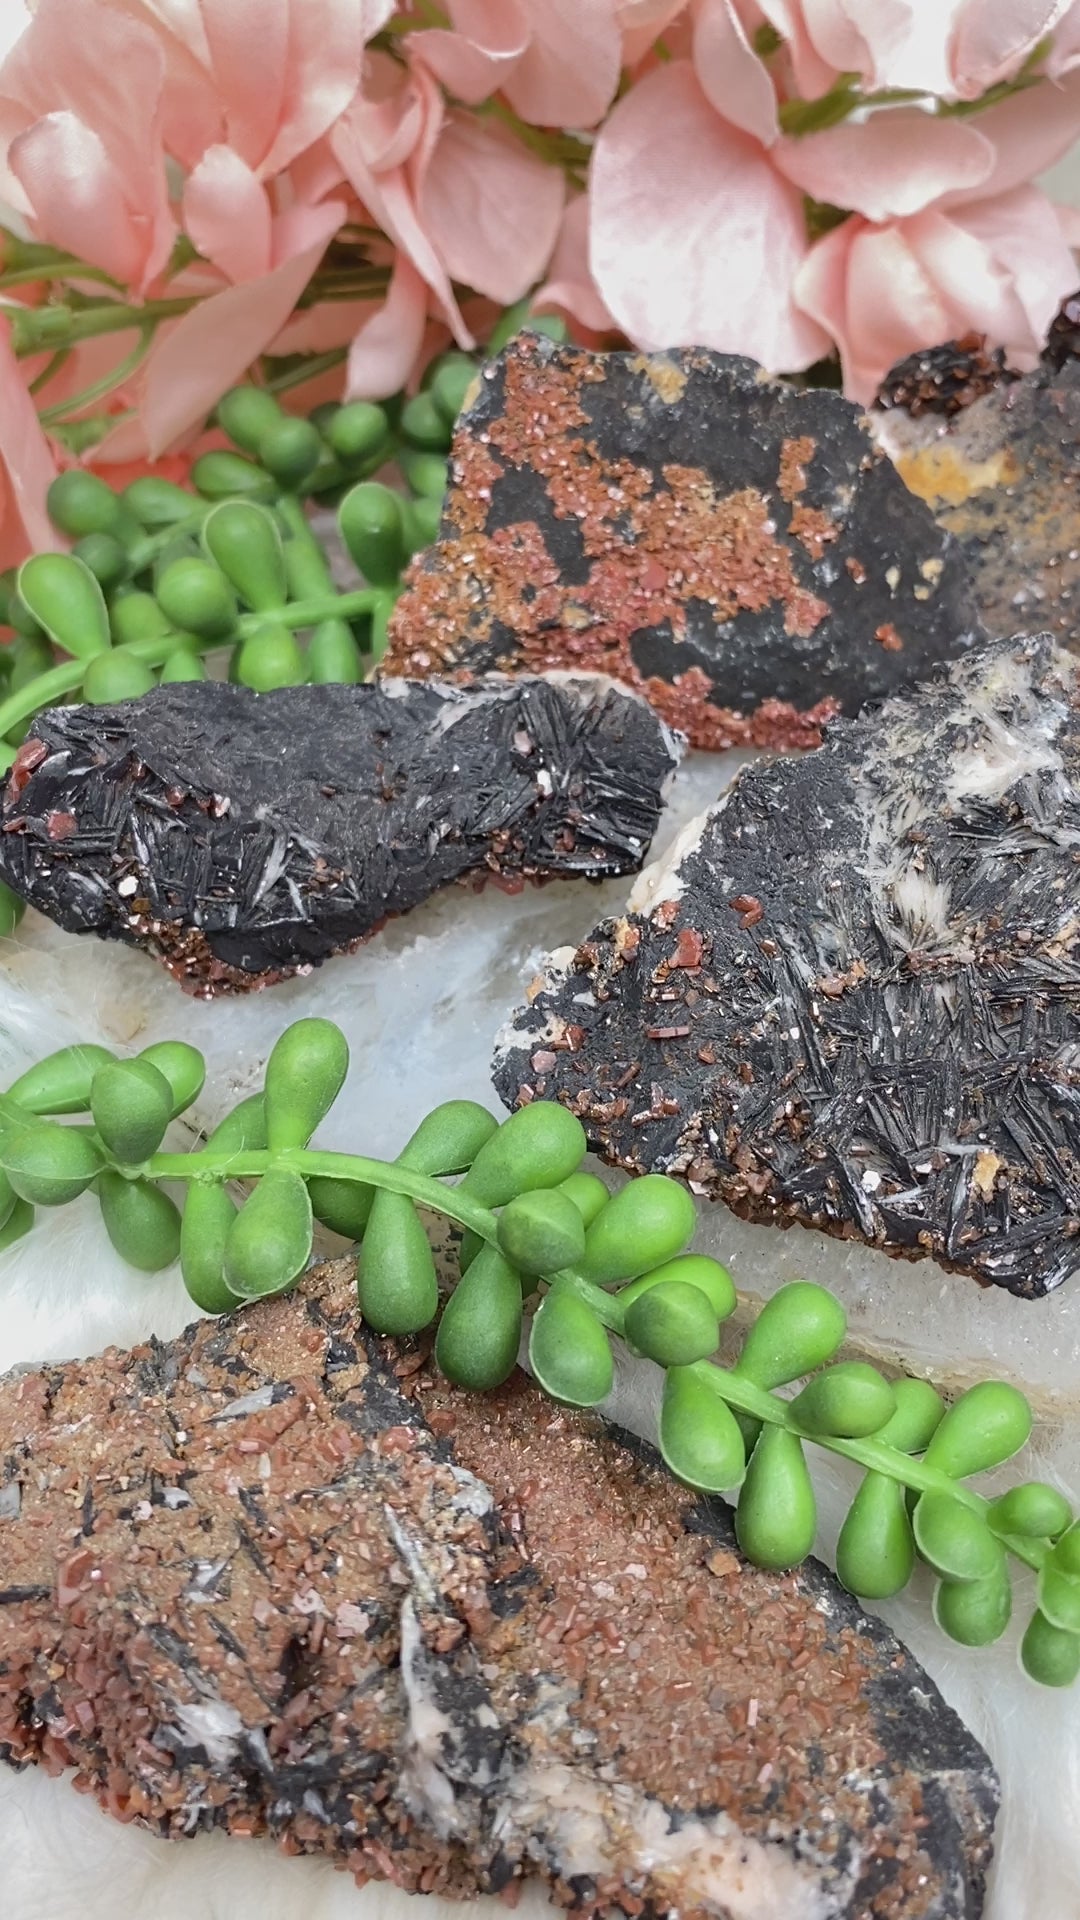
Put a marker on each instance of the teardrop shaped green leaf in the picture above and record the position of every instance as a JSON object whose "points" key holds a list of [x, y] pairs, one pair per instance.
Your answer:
{"points": [[699, 1438], [397, 1285], [304, 1075], [1049, 1654], [975, 1612], [569, 1351], [645, 1224], [269, 1243], [849, 1400], [988, 1424], [480, 1330], [955, 1540], [797, 1330], [875, 1553], [776, 1518], [1059, 1598], [1033, 1511]]}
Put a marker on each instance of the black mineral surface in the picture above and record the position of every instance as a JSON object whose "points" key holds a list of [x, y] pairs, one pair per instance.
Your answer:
{"points": [[850, 999], [738, 550], [275, 1578], [241, 837]]}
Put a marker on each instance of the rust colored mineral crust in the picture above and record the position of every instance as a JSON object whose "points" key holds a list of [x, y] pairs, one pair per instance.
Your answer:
{"points": [[273, 1579], [724, 543]]}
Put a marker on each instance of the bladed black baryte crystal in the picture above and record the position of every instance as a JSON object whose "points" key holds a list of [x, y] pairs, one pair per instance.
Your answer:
{"points": [[736, 548], [850, 997], [240, 837]]}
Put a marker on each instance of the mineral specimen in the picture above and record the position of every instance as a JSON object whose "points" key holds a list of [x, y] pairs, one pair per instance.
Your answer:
{"points": [[241, 837], [851, 997], [274, 1578], [1003, 480], [735, 548], [944, 380]]}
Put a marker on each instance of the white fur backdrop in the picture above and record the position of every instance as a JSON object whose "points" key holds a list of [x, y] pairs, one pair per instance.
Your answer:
{"points": [[420, 1006]]}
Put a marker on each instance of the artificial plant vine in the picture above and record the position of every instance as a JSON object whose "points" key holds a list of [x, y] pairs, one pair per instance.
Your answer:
{"points": [[537, 1227]]}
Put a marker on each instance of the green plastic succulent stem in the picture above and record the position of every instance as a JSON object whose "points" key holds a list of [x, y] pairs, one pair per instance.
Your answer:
{"points": [[731, 1387], [308, 1162]]}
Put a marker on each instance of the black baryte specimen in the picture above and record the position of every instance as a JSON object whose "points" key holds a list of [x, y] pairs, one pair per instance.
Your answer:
{"points": [[739, 550], [327, 1597], [851, 997], [240, 837]]}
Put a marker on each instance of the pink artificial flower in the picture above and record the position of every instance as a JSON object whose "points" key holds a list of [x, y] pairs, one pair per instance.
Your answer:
{"points": [[999, 266], [556, 61], [946, 234], [695, 236], [81, 152], [569, 288], [27, 467], [460, 199]]}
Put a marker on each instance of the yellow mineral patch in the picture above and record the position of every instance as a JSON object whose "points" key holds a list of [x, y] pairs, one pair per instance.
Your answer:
{"points": [[667, 380], [987, 1167], [941, 475]]}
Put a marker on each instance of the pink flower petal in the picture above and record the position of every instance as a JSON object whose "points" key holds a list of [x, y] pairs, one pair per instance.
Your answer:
{"points": [[227, 215], [1022, 230], [389, 195], [893, 163], [385, 350], [642, 23], [695, 239], [77, 194], [493, 207], [991, 39], [28, 464], [1029, 132], [107, 71], [570, 286], [869, 290], [501, 27], [212, 347], [568, 74], [191, 115], [299, 228], [731, 75], [468, 72], [248, 41], [813, 74], [473, 61]]}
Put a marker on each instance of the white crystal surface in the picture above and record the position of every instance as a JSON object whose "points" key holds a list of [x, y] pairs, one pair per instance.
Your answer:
{"points": [[421, 1005]]}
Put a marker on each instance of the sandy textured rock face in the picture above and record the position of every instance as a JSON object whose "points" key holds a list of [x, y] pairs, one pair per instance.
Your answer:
{"points": [[294, 1585], [735, 548], [851, 997], [240, 837]]}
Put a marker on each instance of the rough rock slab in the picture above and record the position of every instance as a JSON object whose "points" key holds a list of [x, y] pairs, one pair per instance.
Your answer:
{"points": [[241, 837], [270, 1578], [1004, 481], [735, 548], [850, 998]]}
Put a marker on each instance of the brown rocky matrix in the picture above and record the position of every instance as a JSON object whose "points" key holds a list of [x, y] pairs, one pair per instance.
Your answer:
{"points": [[274, 1578]]}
